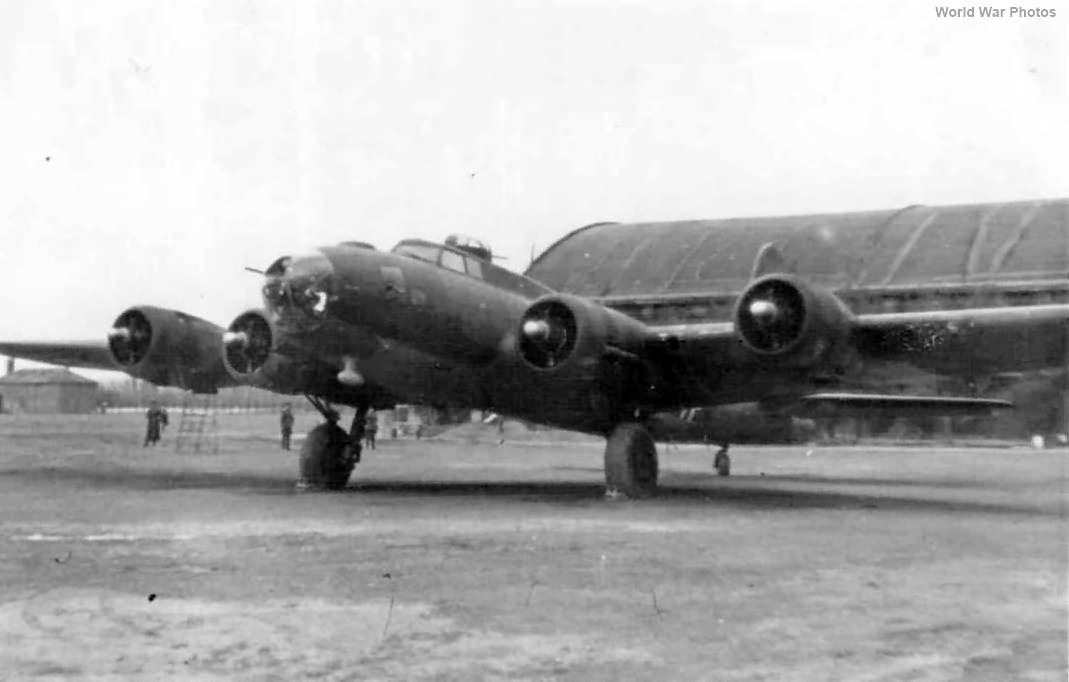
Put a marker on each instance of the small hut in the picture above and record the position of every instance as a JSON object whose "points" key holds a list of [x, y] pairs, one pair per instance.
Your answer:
{"points": [[47, 391]]}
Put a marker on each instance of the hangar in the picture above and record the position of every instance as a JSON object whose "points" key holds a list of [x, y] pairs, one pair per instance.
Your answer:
{"points": [[913, 258], [47, 391], [917, 257]]}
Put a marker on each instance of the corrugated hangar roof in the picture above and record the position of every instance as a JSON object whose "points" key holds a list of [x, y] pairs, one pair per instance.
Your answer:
{"points": [[45, 376], [954, 244]]}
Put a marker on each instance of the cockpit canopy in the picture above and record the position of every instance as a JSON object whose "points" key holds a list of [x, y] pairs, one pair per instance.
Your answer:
{"points": [[448, 257], [478, 265], [475, 247]]}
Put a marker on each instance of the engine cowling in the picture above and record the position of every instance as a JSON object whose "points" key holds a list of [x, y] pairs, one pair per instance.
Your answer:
{"points": [[561, 331], [252, 356], [169, 348], [580, 365], [785, 318]]}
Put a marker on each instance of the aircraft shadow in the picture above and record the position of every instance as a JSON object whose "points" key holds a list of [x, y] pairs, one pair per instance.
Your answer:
{"points": [[949, 484], [749, 495], [906, 482], [156, 479], [677, 489]]}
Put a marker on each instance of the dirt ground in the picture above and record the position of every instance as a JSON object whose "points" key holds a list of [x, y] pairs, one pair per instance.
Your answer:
{"points": [[453, 561]]}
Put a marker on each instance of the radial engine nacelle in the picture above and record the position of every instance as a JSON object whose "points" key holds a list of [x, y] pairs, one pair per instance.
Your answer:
{"points": [[169, 348], [251, 355], [560, 331], [784, 318]]}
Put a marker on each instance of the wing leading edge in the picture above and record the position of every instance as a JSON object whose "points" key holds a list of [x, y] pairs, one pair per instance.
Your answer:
{"points": [[87, 354], [847, 404]]}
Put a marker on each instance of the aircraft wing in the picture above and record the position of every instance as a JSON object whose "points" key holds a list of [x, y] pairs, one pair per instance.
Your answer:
{"points": [[977, 341], [88, 354], [162, 346], [847, 404], [970, 342]]}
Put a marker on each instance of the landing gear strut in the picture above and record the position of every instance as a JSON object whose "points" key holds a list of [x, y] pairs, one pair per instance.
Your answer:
{"points": [[722, 461], [630, 462], [328, 454]]}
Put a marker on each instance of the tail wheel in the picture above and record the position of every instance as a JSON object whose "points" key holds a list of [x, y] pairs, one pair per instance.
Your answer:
{"points": [[630, 461]]}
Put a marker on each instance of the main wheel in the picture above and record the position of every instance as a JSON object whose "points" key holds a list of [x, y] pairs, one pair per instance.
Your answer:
{"points": [[327, 458], [630, 461]]}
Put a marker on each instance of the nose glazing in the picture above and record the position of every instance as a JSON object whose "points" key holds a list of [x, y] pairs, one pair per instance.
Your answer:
{"points": [[302, 283]]}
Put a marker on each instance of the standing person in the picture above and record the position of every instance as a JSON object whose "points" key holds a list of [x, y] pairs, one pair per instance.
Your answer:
{"points": [[286, 423], [371, 427], [157, 420]]}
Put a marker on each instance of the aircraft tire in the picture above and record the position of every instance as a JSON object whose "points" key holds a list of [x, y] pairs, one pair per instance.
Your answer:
{"points": [[326, 458], [630, 462]]}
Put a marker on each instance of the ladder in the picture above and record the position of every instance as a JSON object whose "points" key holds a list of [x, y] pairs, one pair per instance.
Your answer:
{"points": [[198, 425]]}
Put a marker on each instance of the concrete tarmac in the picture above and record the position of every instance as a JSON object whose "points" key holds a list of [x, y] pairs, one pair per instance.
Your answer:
{"points": [[458, 561]]}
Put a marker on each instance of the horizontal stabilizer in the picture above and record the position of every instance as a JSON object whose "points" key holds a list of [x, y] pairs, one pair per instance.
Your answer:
{"points": [[847, 404]]}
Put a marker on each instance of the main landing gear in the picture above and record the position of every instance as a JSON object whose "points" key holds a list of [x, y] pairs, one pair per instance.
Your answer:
{"points": [[328, 454], [630, 462]]}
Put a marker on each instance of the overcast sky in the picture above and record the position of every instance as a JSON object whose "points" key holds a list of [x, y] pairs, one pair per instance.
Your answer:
{"points": [[149, 150]]}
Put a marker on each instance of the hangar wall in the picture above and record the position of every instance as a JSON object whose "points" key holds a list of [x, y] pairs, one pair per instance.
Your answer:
{"points": [[47, 391]]}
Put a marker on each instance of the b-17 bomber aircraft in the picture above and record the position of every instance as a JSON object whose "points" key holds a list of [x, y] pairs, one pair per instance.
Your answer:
{"points": [[616, 324]]}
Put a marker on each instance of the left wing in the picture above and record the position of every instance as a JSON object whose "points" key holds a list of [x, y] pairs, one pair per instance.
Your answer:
{"points": [[88, 354], [165, 347]]}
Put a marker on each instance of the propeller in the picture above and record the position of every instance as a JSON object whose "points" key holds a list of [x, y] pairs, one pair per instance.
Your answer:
{"points": [[547, 334], [771, 315], [130, 337], [247, 343]]}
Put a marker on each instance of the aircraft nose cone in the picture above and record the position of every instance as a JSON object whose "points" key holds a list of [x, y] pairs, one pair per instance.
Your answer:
{"points": [[314, 265], [306, 283]]}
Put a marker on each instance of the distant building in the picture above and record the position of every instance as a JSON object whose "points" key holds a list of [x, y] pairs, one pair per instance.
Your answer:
{"points": [[47, 391]]}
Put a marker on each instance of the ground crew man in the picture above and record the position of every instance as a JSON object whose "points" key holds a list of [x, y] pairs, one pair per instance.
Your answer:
{"points": [[371, 427], [286, 423], [157, 420]]}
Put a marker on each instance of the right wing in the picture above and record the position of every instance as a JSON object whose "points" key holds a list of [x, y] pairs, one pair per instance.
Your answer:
{"points": [[852, 404], [88, 354], [972, 342], [963, 342]]}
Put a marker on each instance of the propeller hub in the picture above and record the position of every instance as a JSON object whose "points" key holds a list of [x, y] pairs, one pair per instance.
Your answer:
{"points": [[235, 339], [764, 311], [536, 330], [248, 343], [548, 333], [130, 337]]}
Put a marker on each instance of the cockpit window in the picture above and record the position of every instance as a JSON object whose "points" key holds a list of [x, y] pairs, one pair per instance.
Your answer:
{"points": [[475, 268], [452, 260], [427, 252]]}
